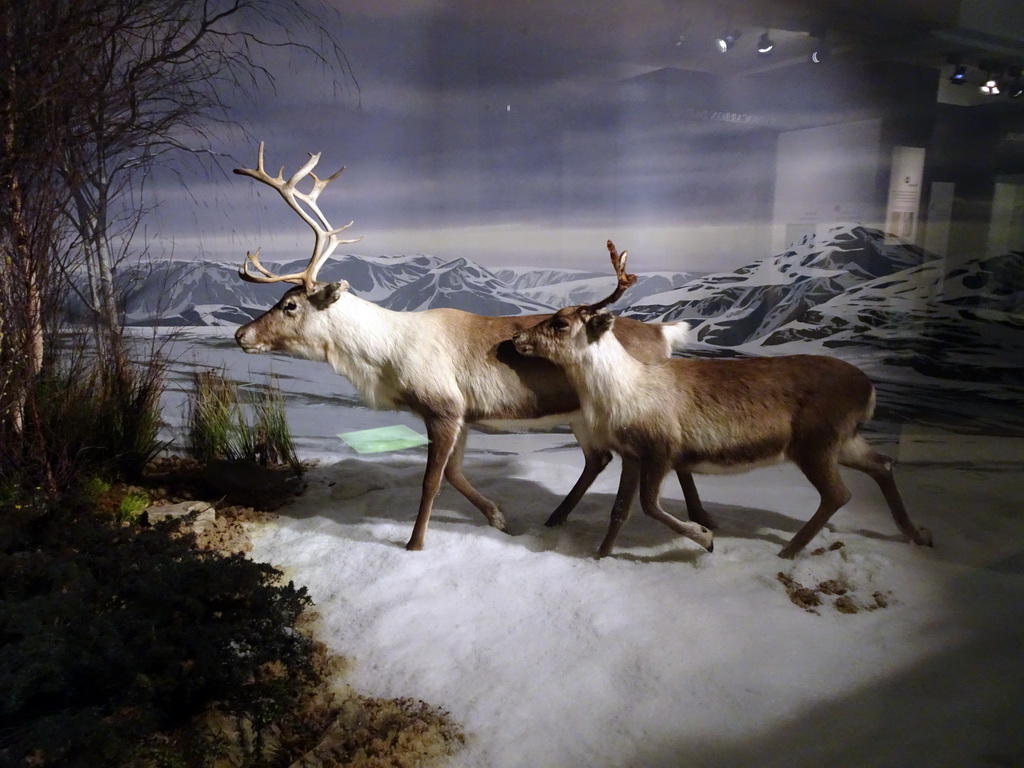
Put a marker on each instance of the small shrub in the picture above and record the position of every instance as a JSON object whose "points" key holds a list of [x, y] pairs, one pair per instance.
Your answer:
{"points": [[95, 417], [134, 416], [273, 443], [92, 489], [214, 416], [131, 506], [20, 508], [114, 501], [109, 634], [225, 424]]}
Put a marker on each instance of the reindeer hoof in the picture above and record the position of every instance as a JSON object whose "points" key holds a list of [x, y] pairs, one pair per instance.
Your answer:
{"points": [[788, 553], [704, 537], [497, 520], [414, 546]]}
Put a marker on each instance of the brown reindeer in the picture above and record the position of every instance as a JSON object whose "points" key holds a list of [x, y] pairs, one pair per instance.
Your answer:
{"points": [[452, 368], [715, 416]]}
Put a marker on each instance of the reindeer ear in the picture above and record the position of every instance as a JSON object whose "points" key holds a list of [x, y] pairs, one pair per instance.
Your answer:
{"points": [[325, 295], [599, 323]]}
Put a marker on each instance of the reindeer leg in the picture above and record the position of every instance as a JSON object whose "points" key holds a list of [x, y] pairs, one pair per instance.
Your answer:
{"points": [[694, 507], [628, 482], [443, 432], [824, 476], [453, 474], [652, 474], [857, 454], [595, 461]]}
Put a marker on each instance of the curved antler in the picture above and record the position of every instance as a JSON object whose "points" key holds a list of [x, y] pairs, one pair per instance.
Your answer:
{"points": [[326, 237], [624, 279]]}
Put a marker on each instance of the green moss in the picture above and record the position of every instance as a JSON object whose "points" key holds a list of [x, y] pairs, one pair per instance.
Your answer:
{"points": [[131, 506]]}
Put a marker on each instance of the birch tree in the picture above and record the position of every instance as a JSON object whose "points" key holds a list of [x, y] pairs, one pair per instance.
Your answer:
{"points": [[94, 94], [156, 73], [31, 199]]}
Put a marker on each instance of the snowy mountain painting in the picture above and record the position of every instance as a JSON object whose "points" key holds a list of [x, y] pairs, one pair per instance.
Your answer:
{"points": [[461, 284], [733, 308], [561, 287], [943, 345], [211, 293]]}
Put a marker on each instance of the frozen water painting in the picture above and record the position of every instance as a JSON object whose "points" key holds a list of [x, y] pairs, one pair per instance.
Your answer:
{"points": [[864, 651]]}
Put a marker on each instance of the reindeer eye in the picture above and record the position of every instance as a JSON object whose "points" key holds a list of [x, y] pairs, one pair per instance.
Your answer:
{"points": [[560, 324], [291, 306]]}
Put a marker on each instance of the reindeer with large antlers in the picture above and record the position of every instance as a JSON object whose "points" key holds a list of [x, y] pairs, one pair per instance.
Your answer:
{"points": [[715, 416], [452, 368]]}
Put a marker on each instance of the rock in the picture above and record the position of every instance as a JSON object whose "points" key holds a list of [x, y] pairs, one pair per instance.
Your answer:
{"points": [[207, 514]]}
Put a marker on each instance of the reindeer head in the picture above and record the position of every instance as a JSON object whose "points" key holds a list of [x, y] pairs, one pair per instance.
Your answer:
{"points": [[286, 326], [565, 334], [568, 331]]}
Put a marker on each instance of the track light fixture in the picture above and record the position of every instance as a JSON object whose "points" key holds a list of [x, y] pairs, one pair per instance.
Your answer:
{"points": [[993, 85], [998, 78], [765, 44], [727, 41]]}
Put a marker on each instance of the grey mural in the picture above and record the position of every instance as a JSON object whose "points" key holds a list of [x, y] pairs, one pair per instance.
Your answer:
{"points": [[945, 346], [492, 148]]}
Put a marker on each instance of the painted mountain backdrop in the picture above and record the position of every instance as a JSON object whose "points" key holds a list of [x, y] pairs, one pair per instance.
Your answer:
{"points": [[733, 308], [211, 293], [939, 341]]}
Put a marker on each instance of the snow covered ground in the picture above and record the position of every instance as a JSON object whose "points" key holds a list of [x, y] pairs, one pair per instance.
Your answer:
{"points": [[663, 655]]}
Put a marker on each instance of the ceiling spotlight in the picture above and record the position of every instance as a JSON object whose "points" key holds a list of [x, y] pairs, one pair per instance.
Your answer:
{"points": [[993, 83], [765, 44], [822, 50], [727, 41]]}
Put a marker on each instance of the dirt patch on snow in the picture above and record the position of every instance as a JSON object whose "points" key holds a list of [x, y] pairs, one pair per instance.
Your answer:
{"points": [[840, 591]]}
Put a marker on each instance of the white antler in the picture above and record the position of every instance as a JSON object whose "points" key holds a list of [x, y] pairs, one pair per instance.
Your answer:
{"points": [[326, 238]]}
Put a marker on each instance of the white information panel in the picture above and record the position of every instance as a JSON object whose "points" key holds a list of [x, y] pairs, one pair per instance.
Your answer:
{"points": [[904, 204]]}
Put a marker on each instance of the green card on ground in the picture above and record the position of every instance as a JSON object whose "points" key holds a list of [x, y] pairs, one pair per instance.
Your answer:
{"points": [[383, 439]]}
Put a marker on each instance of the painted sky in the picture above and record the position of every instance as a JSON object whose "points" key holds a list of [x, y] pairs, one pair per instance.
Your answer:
{"points": [[511, 134]]}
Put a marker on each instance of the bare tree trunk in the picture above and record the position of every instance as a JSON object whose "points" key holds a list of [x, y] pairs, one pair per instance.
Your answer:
{"points": [[20, 266], [29, 348], [92, 95], [100, 298]]}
